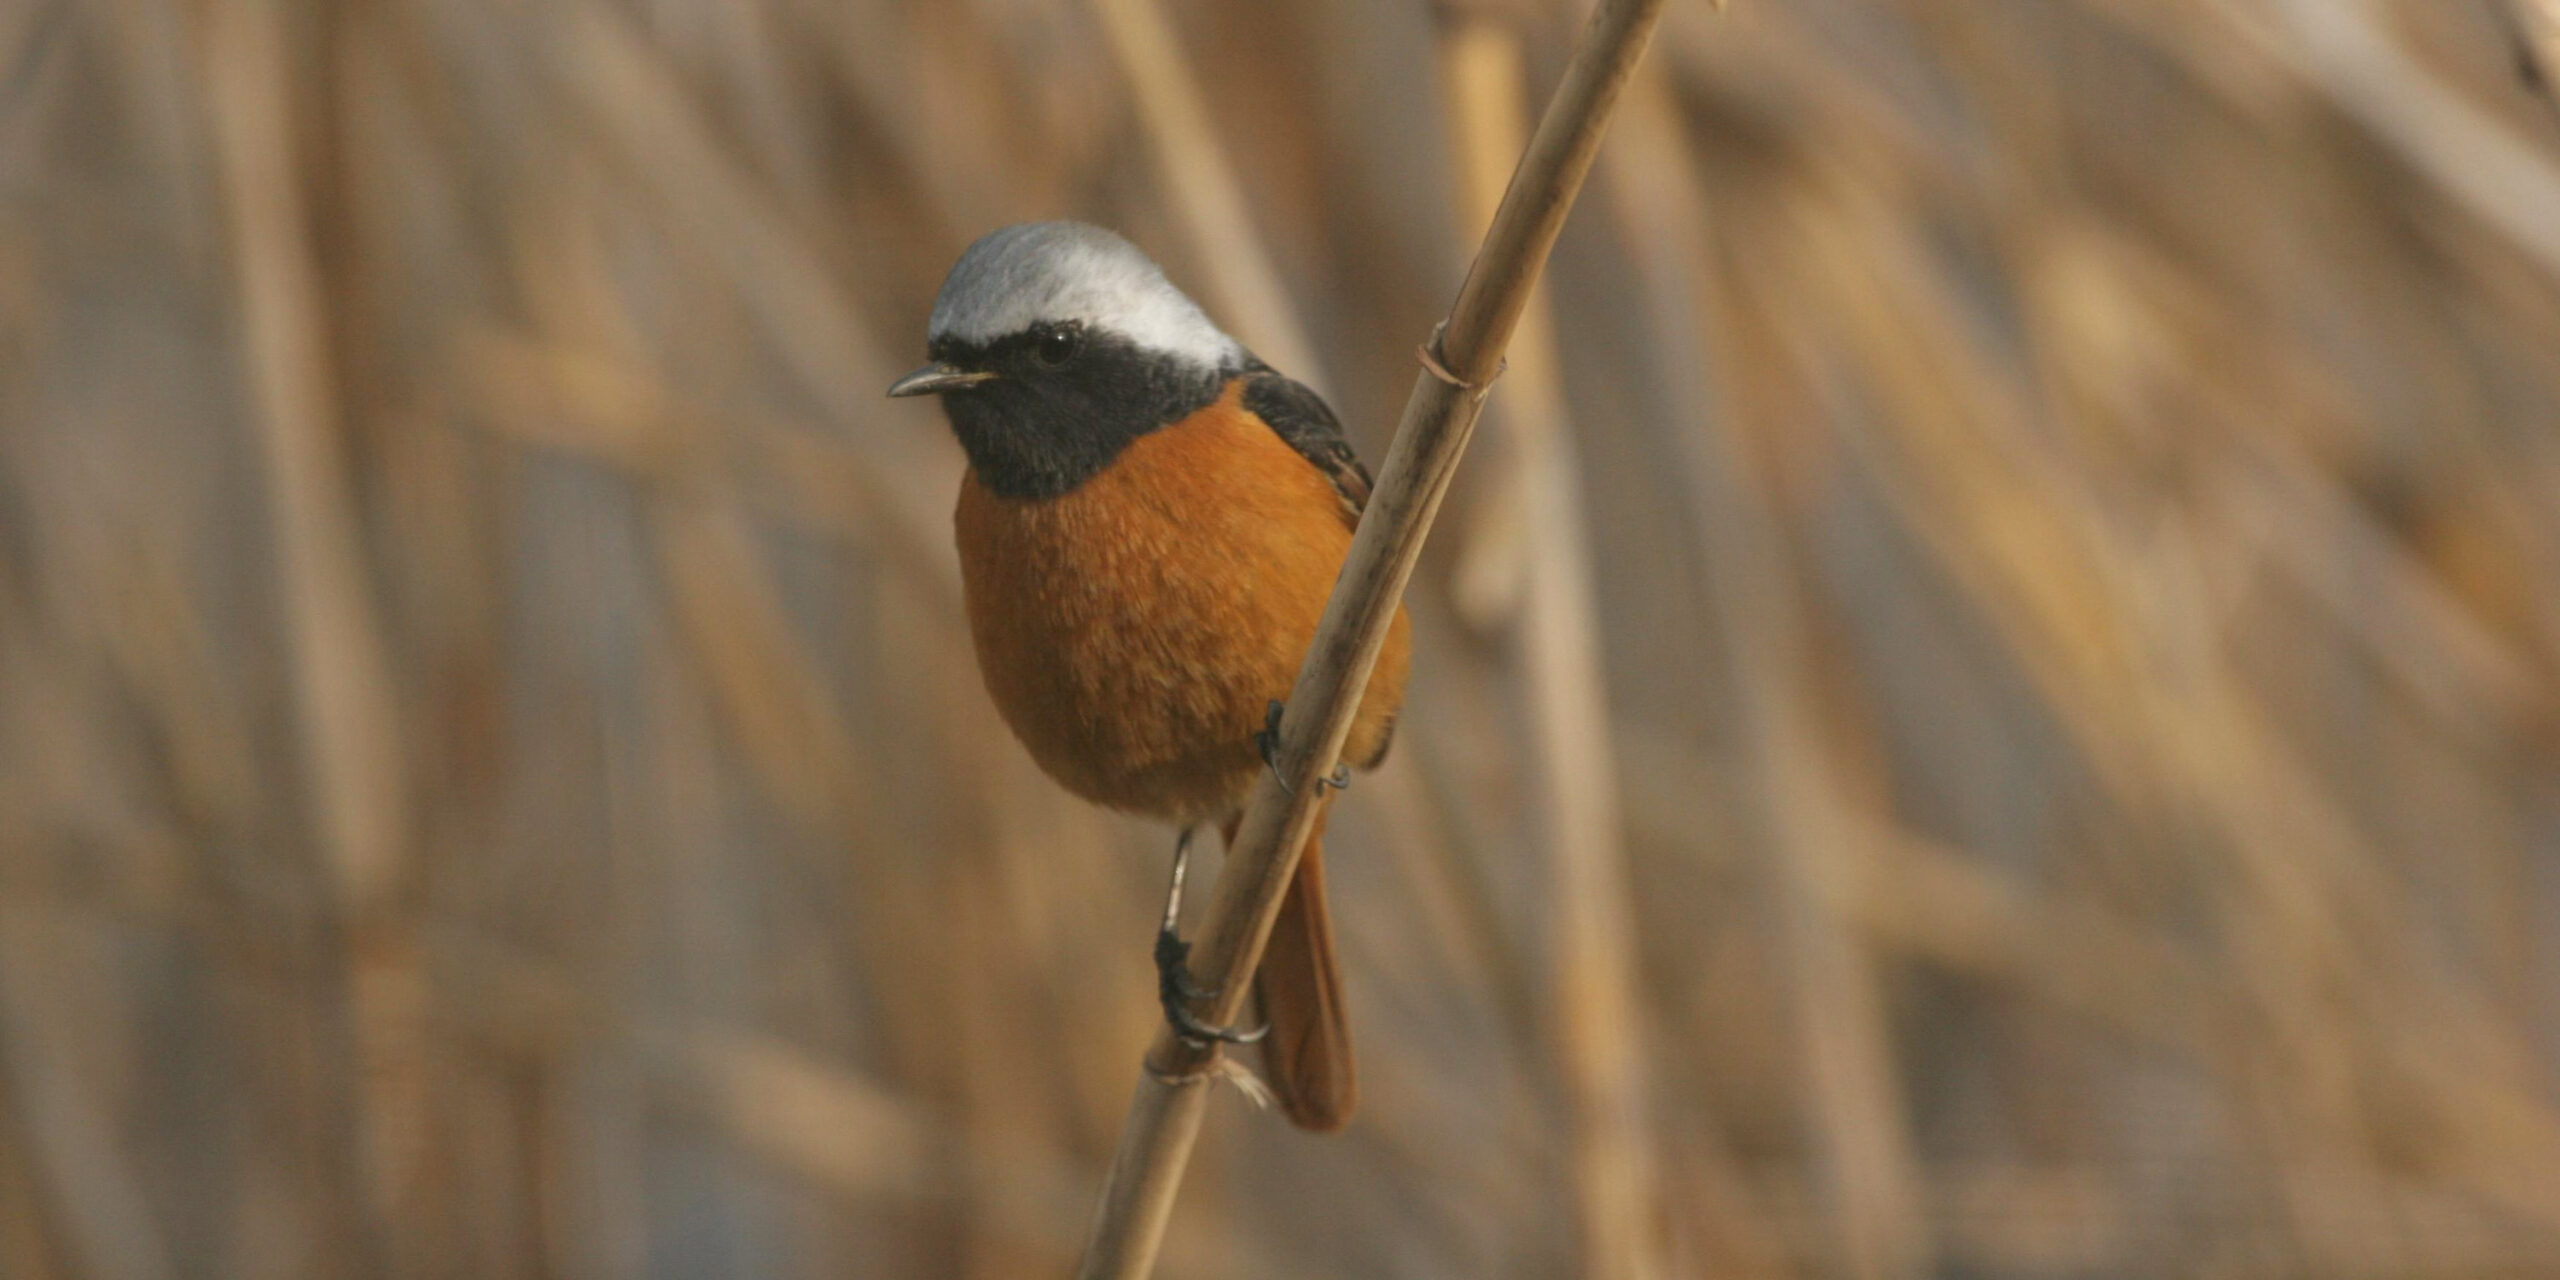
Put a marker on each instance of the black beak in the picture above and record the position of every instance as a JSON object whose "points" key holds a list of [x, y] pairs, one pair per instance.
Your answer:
{"points": [[936, 378]]}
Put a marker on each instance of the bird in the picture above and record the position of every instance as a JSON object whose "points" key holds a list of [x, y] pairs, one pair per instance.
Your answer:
{"points": [[1148, 527]]}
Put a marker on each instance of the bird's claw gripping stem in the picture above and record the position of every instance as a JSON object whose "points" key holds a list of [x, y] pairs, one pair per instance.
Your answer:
{"points": [[1268, 743], [1175, 987]]}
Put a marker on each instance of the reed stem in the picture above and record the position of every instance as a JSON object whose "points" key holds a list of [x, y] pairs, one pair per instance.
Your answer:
{"points": [[1465, 356]]}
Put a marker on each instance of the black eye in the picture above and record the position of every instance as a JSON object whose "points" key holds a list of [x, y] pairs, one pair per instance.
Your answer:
{"points": [[1057, 346]]}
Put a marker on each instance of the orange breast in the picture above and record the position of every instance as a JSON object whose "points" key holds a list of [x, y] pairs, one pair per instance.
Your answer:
{"points": [[1133, 631]]}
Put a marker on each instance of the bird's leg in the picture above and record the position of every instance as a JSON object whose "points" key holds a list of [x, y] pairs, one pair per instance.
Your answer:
{"points": [[1268, 743], [1175, 987], [1172, 953]]}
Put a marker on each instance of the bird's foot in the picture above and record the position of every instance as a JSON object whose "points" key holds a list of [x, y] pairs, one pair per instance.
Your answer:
{"points": [[1175, 987], [1268, 743]]}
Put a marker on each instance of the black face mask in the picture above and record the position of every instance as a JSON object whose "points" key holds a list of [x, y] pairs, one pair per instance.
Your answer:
{"points": [[1066, 401]]}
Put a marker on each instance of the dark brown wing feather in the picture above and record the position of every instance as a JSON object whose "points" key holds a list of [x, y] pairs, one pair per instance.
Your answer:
{"points": [[1302, 418], [1295, 413]]}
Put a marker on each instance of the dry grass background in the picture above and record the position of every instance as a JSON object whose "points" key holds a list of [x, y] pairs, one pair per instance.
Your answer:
{"points": [[1986, 706]]}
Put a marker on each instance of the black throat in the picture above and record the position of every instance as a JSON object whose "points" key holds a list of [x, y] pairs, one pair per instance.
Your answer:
{"points": [[1039, 430]]}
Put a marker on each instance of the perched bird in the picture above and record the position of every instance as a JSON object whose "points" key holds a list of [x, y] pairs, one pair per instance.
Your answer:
{"points": [[1150, 524]]}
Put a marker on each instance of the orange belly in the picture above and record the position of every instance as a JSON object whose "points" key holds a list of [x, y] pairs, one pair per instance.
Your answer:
{"points": [[1133, 631]]}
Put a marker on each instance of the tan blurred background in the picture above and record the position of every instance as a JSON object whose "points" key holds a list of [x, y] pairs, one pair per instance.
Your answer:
{"points": [[1985, 706]]}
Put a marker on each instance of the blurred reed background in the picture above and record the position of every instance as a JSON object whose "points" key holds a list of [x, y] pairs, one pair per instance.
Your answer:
{"points": [[1985, 707]]}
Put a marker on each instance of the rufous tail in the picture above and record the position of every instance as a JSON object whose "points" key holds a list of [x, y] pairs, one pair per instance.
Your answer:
{"points": [[1307, 1055]]}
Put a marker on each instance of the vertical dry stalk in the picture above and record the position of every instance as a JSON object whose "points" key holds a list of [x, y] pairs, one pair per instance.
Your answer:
{"points": [[673, 156], [1164, 1120], [1846, 1048], [1571, 772], [349, 740], [350, 752], [1241, 281], [100, 1216]]}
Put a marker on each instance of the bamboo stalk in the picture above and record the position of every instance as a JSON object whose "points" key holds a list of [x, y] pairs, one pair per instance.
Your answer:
{"points": [[1164, 1120], [1570, 772]]}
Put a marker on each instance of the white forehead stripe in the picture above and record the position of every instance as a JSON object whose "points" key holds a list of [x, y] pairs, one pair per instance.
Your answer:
{"points": [[1061, 271]]}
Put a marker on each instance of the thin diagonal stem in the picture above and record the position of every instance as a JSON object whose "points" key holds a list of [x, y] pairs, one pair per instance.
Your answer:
{"points": [[1462, 360]]}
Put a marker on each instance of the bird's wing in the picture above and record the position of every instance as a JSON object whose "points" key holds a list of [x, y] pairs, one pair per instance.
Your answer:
{"points": [[1301, 417]]}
